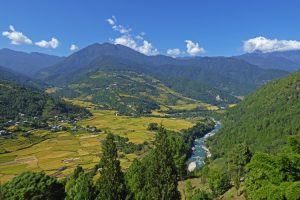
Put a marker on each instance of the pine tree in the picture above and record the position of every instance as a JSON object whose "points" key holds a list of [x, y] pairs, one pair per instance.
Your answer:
{"points": [[79, 186], [237, 160], [110, 185], [161, 175]]}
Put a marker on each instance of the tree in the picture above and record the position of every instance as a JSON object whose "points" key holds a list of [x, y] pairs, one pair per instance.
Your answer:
{"points": [[79, 186], [135, 179], [152, 127], [1, 192], [111, 184], [82, 189], [178, 150], [275, 176], [77, 171], [239, 156], [219, 182], [161, 175], [34, 185], [155, 176]]}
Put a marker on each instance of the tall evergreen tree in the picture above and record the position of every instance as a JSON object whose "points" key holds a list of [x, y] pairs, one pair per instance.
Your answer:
{"points": [[161, 174], [79, 186], [111, 184], [239, 156]]}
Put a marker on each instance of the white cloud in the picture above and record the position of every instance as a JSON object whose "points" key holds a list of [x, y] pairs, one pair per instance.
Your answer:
{"points": [[127, 41], [112, 21], [53, 43], [174, 52], [16, 37], [193, 48], [147, 48], [136, 42], [270, 45], [73, 47]]}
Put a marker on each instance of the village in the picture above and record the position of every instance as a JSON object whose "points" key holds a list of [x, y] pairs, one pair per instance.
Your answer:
{"points": [[25, 125]]}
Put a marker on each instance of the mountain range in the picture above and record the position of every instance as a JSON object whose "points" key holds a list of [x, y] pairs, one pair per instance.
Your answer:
{"points": [[26, 63], [287, 60], [214, 80]]}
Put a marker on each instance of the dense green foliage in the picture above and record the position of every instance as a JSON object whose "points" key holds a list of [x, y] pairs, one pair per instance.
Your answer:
{"points": [[155, 176], [219, 182], [264, 119], [111, 184], [125, 146], [31, 185], [275, 176], [31, 103], [79, 186], [153, 127], [239, 156]]}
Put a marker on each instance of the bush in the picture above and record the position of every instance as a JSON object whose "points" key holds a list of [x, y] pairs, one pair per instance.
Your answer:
{"points": [[152, 127]]}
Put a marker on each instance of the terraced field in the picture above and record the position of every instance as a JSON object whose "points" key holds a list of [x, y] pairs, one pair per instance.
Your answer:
{"points": [[60, 152]]}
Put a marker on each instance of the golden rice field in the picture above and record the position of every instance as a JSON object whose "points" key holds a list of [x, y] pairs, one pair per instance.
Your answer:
{"points": [[62, 151]]}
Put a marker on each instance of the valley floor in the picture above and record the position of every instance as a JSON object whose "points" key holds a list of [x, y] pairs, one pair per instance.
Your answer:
{"points": [[62, 151]]}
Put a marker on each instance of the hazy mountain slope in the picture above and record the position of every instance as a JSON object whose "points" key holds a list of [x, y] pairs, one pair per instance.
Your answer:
{"points": [[288, 60], [26, 63], [204, 79], [264, 119], [20, 79]]}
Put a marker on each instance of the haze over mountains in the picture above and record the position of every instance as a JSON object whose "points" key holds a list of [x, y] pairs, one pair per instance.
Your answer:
{"points": [[26, 63], [215, 80], [285, 60]]}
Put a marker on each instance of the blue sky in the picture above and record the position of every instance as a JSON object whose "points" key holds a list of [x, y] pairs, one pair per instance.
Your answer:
{"points": [[207, 28]]}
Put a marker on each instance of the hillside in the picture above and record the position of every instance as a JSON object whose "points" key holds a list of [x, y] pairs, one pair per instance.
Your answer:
{"points": [[212, 80], [127, 92], [26, 63], [264, 119], [286, 60], [18, 102], [20, 79]]}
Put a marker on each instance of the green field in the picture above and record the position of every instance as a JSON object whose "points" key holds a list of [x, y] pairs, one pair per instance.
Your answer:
{"points": [[65, 149]]}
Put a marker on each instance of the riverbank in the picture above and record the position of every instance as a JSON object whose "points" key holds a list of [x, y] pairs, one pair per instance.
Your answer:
{"points": [[200, 151]]}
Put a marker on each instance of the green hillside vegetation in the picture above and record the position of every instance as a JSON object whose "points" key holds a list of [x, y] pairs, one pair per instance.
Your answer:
{"points": [[276, 176], [17, 102], [127, 92], [214, 80], [264, 119]]}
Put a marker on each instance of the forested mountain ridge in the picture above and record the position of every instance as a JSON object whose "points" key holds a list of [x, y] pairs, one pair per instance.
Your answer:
{"points": [[264, 119], [286, 60], [213, 80], [20, 79], [26, 63]]}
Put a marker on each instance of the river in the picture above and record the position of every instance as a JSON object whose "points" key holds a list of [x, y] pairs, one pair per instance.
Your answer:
{"points": [[200, 151]]}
